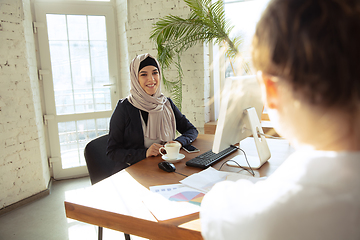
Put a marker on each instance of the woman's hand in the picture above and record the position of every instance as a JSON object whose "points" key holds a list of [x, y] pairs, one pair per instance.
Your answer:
{"points": [[153, 150]]}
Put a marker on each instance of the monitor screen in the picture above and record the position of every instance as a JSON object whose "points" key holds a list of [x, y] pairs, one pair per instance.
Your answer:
{"points": [[239, 94]]}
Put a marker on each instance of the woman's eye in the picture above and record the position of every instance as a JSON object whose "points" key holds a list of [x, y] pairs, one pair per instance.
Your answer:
{"points": [[143, 75], [155, 73]]}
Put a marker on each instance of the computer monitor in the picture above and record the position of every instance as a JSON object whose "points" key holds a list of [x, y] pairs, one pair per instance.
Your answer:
{"points": [[240, 110]]}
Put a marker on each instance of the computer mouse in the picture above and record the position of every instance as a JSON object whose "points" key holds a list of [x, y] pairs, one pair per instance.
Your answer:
{"points": [[166, 166]]}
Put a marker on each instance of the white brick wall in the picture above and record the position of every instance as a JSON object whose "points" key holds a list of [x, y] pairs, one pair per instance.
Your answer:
{"points": [[23, 165], [141, 16], [23, 158]]}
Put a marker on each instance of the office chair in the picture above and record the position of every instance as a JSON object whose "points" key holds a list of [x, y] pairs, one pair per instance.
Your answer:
{"points": [[99, 165]]}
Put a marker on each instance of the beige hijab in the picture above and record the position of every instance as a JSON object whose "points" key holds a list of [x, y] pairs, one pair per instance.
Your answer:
{"points": [[161, 121]]}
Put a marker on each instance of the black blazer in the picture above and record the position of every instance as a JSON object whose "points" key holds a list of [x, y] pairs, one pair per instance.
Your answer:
{"points": [[126, 137]]}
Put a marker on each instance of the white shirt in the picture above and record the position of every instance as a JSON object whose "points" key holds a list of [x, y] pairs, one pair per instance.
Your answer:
{"points": [[313, 195]]}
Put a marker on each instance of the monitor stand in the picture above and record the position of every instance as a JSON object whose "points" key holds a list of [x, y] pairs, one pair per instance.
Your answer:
{"points": [[252, 123]]}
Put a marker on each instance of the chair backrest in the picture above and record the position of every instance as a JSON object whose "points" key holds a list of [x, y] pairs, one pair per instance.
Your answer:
{"points": [[99, 165]]}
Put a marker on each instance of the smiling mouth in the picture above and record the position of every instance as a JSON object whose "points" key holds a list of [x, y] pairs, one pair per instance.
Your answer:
{"points": [[151, 86]]}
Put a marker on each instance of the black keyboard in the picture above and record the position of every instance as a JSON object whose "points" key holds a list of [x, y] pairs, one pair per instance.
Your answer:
{"points": [[208, 158]]}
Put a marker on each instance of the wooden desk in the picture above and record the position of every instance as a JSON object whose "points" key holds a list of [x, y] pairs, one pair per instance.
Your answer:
{"points": [[116, 202]]}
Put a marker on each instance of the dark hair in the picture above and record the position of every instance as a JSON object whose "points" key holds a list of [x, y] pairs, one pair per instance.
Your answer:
{"points": [[315, 46]]}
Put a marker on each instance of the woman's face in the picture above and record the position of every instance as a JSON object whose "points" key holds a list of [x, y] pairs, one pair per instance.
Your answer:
{"points": [[149, 79]]}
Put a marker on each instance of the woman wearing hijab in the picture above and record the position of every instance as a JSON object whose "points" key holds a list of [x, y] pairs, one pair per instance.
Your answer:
{"points": [[146, 119]]}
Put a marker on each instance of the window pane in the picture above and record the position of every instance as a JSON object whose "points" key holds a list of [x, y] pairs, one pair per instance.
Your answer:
{"points": [[56, 24], [101, 95], [75, 135], [60, 66], [99, 57], [79, 66], [68, 144], [77, 27], [244, 16], [81, 75], [100, 74], [97, 28]]}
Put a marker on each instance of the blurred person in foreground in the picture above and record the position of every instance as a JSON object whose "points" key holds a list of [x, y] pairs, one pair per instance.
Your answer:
{"points": [[306, 54]]}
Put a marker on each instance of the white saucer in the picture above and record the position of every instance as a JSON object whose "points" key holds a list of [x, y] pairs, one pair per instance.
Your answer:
{"points": [[180, 156]]}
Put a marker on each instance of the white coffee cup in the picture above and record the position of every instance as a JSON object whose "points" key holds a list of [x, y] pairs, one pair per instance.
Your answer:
{"points": [[172, 150]]}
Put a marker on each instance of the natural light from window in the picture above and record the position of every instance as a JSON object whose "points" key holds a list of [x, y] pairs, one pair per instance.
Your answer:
{"points": [[243, 15]]}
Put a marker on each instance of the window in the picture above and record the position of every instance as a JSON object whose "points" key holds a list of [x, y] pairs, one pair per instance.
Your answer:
{"points": [[243, 15], [77, 45]]}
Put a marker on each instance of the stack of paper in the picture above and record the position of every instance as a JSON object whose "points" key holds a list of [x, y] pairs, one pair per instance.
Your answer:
{"points": [[176, 200], [171, 201], [205, 179]]}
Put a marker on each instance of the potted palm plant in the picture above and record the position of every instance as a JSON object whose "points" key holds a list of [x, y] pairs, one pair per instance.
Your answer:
{"points": [[174, 35]]}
